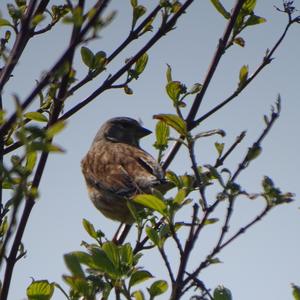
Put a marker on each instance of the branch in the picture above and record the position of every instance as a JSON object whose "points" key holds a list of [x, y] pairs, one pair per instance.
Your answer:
{"points": [[266, 60], [30, 201], [220, 245], [211, 70], [107, 84], [7, 125], [167, 263], [22, 39]]}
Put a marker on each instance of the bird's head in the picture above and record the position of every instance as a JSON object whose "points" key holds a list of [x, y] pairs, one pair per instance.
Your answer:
{"points": [[122, 130]]}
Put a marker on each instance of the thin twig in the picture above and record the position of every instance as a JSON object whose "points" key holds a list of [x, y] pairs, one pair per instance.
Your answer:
{"points": [[167, 263], [107, 84]]}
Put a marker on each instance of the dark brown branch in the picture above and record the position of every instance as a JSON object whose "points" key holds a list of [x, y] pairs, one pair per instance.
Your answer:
{"points": [[57, 65], [266, 60], [132, 36], [30, 201], [107, 84], [189, 244], [211, 70], [167, 263], [220, 245], [21, 40]]}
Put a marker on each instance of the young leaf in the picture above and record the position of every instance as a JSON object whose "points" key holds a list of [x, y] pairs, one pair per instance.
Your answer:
{"points": [[55, 129], [220, 148], [141, 63], [152, 202], [162, 134], [169, 73], [239, 41], [222, 293], [126, 254], [4, 22], [87, 56], [180, 196], [174, 121], [138, 11], [139, 276], [89, 228], [40, 290], [138, 295], [30, 160], [243, 75], [220, 8], [103, 263], [73, 264], [152, 235], [112, 252], [36, 116], [296, 292], [157, 288], [254, 20], [174, 89], [134, 3], [249, 6]]}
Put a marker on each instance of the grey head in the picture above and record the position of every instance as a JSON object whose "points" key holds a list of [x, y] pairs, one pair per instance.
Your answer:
{"points": [[122, 130]]}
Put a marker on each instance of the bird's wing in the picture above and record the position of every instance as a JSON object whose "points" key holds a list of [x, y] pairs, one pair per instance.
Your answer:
{"points": [[121, 169]]}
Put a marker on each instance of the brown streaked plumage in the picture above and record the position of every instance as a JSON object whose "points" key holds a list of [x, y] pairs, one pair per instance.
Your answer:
{"points": [[116, 168]]}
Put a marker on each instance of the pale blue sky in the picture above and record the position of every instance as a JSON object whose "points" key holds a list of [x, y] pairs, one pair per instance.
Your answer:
{"points": [[263, 262]]}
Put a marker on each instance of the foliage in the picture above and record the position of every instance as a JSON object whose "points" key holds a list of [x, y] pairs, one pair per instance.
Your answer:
{"points": [[105, 267]]}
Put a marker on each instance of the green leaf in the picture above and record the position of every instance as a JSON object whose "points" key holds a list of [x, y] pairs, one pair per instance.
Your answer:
{"points": [[138, 11], [169, 73], [73, 264], [180, 196], [40, 290], [249, 6], [174, 121], [222, 293], [253, 152], [220, 8], [255, 20], [138, 277], [103, 263], [157, 288], [112, 252], [152, 235], [89, 228], [138, 295], [152, 202], [37, 19], [36, 116], [78, 284], [99, 61], [196, 88], [296, 292], [211, 221], [174, 89], [162, 133], [55, 129], [239, 41], [128, 90], [3, 227], [243, 76], [31, 158], [141, 63], [126, 254], [134, 3], [220, 148], [87, 56], [4, 22]]}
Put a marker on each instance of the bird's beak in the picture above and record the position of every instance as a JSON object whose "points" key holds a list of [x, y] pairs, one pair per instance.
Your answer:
{"points": [[143, 132]]}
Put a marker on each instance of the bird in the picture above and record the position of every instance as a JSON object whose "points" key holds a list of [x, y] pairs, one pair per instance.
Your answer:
{"points": [[116, 168]]}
